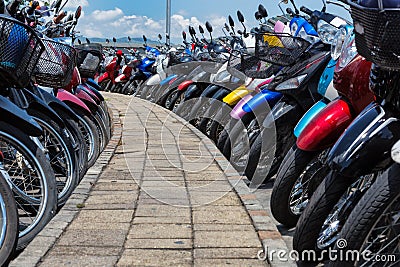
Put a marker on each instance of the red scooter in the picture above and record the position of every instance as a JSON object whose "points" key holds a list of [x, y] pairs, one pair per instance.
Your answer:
{"points": [[303, 167], [112, 67]]}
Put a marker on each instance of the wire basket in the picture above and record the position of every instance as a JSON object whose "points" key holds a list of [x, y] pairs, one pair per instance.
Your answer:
{"points": [[377, 35], [20, 49], [245, 64], [279, 48], [89, 59], [56, 65]]}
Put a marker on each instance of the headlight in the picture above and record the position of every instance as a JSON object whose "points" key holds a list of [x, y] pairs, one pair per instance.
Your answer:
{"points": [[349, 50], [292, 83], [311, 39], [326, 32], [337, 43]]}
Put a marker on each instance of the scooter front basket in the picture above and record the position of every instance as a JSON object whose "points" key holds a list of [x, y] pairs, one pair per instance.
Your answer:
{"points": [[247, 64], [56, 65], [279, 48], [89, 59]]}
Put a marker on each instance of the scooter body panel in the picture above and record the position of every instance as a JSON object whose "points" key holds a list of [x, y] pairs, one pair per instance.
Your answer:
{"points": [[308, 116]]}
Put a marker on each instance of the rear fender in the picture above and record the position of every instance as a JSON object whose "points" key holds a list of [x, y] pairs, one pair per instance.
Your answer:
{"points": [[18, 118], [366, 144], [326, 127], [237, 112], [168, 79]]}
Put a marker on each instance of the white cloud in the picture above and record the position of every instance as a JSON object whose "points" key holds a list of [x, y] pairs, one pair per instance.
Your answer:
{"points": [[107, 15], [114, 23]]}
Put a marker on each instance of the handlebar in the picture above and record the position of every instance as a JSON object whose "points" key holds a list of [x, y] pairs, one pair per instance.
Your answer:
{"points": [[60, 17], [306, 10]]}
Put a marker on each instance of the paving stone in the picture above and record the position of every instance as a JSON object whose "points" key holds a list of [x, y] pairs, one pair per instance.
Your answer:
{"points": [[104, 216], [162, 211], [160, 220], [160, 231], [220, 214], [229, 262], [224, 239], [95, 238], [78, 261], [86, 251], [226, 253], [159, 243], [112, 198], [154, 257]]}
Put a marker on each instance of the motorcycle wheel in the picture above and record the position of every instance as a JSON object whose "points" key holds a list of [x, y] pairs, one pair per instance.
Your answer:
{"points": [[8, 223], [91, 136], [372, 223], [61, 156], [32, 181], [105, 85], [320, 223], [297, 178]]}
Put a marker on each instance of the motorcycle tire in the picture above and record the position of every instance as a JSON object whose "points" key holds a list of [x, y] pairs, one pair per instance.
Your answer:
{"points": [[39, 210], [377, 201], [9, 213]]}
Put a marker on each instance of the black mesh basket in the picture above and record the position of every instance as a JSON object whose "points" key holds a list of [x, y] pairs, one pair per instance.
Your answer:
{"points": [[20, 49], [245, 64], [377, 35], [279, 48], [56, 65], [89, 59]]}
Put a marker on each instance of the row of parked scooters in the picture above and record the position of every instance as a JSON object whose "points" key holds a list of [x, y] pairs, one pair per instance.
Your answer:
{"points": [[54, 121], [312, 100]]}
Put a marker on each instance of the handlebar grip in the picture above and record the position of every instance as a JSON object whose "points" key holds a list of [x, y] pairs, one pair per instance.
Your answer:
{"points": [[306, 10], [60, 16]]}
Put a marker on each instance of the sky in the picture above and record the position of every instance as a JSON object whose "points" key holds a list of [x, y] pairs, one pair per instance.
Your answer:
{"points": [[122, 18]]}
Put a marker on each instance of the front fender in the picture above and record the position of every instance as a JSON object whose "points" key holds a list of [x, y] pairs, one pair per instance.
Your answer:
{"points": [[326, 127], [210, 90], [95, 91], [283, 112], [234, 97], [261, 99], [308, 116], [18, 118], [86, 89], [87, 99], [194, 90], [35, 103], [72, 101], [93, 84], [184, 85], [366, 144], [103, 77]]}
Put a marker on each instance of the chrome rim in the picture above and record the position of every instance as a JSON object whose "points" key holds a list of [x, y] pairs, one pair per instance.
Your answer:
{"points": [[300, 195], [59, 157], [337, 217], [3, 220], [241, 145], [28, 182], [384, 237], [88, 136]]}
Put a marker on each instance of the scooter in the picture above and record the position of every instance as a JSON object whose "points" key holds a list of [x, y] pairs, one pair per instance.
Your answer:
{"points": [[303, 167]]}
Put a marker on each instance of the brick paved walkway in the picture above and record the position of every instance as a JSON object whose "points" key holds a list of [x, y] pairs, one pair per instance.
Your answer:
{"points": [[161, 201]]}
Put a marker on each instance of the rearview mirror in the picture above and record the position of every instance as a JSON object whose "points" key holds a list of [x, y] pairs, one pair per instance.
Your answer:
{"points": [[184, 35], [240, 16], [257, 15], [209, 27], [145, 38], [227, 27], [263, 12], [201, 30], [231, 22], [159, 37], [87, 41], [78, 12], [129, 39], [56, 5], [107, 41], [114, 39]]}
